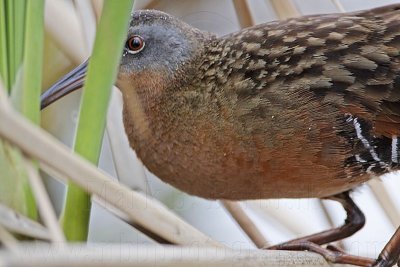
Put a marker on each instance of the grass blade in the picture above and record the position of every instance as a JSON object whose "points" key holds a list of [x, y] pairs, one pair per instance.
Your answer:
{"points": [[33, 60], [12, 36], [10, 41], [4, 45], [102, 72], [15, 191], [19, 31]]}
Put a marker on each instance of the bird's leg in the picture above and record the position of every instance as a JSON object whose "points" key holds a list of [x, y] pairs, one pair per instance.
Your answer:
{"points": [[355, 221], [390, 253]]}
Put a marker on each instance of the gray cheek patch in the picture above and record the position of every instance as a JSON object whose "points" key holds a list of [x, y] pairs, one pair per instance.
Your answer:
{"points": [[166, 48]]}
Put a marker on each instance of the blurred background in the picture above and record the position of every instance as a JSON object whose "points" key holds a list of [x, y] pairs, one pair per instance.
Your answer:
{"points": [[70, 31]]}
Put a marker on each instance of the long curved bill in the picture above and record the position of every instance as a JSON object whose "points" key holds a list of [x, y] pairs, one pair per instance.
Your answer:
{"points": [[73, 81]]}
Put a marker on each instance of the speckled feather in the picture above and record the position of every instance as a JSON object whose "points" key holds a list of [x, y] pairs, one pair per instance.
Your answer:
{"points": [[308, 107]]}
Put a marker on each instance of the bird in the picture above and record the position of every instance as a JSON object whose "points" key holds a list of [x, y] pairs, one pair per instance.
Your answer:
{"points": [[307, 107]]}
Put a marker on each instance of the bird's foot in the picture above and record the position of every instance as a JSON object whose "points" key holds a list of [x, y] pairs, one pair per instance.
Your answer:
{"points": [[390, 255], [386, 261], [330, 253]]}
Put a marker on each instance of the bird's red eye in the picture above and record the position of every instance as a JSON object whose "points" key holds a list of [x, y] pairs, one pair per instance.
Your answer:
{"points": [[134, 44]]}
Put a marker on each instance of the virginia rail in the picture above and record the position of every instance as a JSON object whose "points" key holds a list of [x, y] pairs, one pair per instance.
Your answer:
{"points": [[301, 108]]}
